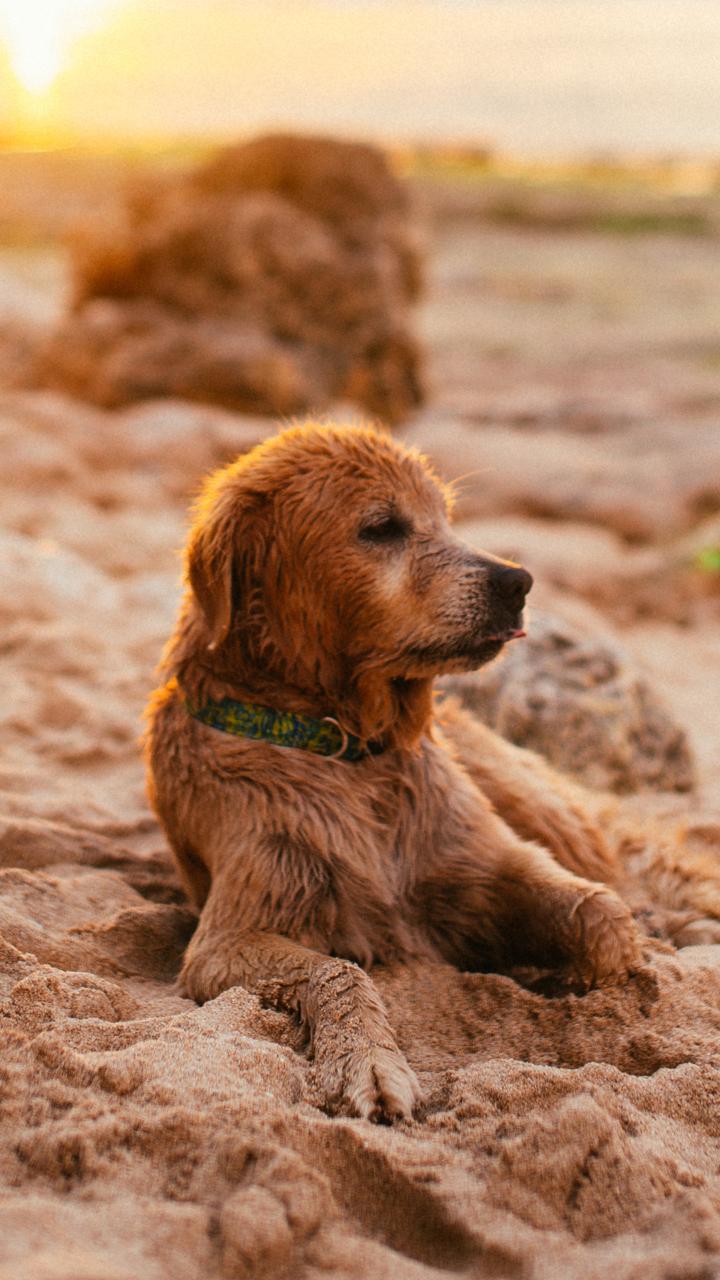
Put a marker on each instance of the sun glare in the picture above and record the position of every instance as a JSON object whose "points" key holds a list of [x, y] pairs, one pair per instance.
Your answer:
{"points": [[38, 35]]}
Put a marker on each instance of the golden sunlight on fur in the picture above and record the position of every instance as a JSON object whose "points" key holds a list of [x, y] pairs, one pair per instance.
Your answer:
{"points": [[324, 580]]}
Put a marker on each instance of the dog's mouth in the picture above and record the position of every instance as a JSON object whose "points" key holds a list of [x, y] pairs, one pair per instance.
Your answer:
{"points": [[512, 633], [485, 648], [472, 650]]}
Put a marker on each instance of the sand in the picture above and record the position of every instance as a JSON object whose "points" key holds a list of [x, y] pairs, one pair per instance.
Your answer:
{"points": [[144, 1138]]}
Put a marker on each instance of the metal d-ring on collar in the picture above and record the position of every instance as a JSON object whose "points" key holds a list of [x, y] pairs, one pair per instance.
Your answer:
{"points": [[336, 755]]}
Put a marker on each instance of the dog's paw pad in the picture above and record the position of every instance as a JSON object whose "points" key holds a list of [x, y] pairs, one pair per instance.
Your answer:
{"points": [[608, 937], [381, 1084]]}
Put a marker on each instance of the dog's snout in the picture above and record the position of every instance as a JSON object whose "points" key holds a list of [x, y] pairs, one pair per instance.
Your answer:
{"points": [[511, 582]]}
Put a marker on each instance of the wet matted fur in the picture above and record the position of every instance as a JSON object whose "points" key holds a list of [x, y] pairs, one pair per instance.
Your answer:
{"points": [[324, 579]]}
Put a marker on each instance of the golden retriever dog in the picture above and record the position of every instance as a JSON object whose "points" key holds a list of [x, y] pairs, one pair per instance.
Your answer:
{"points": [[324, 816]]}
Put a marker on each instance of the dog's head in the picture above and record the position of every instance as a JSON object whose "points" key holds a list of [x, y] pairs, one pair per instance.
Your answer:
{"points": [[325, 558]]}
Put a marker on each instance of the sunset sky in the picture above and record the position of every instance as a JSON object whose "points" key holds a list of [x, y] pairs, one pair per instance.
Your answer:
{"points": [[552, 76]]}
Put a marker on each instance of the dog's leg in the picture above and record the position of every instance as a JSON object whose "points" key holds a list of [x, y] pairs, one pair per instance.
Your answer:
{"points": [[494, 901], [585, 923], [360, 1065], [538, 803]]}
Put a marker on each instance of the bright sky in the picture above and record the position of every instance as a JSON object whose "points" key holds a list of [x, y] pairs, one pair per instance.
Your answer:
{"points": [[39, 35], [528, 75]]}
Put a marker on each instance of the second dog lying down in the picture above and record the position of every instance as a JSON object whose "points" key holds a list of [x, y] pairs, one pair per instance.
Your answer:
{"points": [[322, 815]]}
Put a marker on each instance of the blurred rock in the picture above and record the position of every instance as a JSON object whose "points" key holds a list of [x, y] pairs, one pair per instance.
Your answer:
{"points": [[580, 702], [275, 279]]}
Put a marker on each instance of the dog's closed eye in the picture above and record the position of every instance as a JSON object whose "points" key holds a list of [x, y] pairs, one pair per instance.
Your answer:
{"points": [[385, 530]]}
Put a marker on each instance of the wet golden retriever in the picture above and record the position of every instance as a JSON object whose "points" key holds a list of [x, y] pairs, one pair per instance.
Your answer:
{"points": [[326, 584]]}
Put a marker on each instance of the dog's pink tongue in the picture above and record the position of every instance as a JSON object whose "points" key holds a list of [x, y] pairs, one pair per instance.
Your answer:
{"points": [[508, 635]]}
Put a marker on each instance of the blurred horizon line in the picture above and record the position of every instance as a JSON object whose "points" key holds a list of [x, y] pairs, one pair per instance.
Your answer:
{"points": [[451, 161]]}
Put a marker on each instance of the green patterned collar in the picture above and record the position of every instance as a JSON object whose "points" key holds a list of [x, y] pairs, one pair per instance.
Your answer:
{"points": [[284, 728]]}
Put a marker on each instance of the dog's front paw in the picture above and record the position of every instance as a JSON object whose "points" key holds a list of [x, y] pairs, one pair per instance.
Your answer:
{"points": [[358, 1064], [607, 942], [373, 1081]]}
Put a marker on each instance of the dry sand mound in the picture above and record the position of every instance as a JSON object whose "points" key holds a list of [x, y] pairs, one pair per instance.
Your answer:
{"points": [[274, 279], [144, 1138]]}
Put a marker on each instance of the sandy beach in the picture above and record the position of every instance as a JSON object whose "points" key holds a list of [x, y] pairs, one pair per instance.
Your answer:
{"points": [[574, 383]]}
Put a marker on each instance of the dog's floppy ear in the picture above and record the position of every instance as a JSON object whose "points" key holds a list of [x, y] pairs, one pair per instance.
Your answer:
{"points": [[210, 573], [225, 547]]}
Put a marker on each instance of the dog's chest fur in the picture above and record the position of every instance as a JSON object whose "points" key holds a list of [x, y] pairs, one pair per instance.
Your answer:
{"points": [[332, 854]]}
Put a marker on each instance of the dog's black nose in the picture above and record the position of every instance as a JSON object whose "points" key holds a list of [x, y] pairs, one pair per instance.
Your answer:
{"points": [[511, 583]]}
